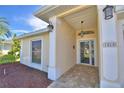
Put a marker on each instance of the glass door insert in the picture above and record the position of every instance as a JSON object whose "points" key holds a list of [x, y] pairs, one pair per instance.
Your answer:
{"points": [[87, 52]]}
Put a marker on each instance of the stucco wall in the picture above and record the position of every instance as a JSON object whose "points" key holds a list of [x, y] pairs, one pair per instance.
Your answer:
{"points": [[120, 30], [65, 54], [26, 51]]}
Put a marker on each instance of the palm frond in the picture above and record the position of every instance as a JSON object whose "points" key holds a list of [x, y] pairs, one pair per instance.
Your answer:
{"points": [[4, 29], [3, 20]]}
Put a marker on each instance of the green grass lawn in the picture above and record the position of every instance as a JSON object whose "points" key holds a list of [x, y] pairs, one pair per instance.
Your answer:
{"points": [[7, 59]]}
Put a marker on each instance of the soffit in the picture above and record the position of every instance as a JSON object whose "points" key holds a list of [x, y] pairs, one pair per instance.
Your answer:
{"points": [[89, 16], [50, 11]]}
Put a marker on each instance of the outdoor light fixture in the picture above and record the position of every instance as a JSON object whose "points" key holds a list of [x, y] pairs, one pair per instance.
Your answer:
{"points": [[50, 27], [108, 11], [82, 33]]}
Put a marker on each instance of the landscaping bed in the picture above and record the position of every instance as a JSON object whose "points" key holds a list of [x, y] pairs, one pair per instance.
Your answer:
{"points": [[7, 59], [16, 75]]}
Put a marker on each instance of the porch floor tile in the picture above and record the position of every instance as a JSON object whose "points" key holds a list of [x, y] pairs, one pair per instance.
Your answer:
{"points": [[80, 76]]}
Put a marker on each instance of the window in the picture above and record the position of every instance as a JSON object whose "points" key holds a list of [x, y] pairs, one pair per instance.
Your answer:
{"points": [[36, 51]]}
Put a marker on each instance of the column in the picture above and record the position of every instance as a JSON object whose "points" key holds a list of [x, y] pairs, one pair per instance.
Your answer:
{"points": [[108, 50], [52, 51]]}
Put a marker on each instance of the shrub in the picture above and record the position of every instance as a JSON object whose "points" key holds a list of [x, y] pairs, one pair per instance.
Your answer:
{"points": [[15, 51], [7, 59]]}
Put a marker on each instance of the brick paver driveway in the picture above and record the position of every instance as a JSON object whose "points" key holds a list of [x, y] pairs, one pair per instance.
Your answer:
{"points": [[79, 76], [20, 76]]}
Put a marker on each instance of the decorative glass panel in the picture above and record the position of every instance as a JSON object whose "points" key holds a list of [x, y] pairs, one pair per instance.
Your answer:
{"points": [[84, 52], [36, 51], [87, 52]]}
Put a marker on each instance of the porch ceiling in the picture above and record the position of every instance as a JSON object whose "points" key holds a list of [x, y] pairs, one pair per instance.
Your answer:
{"points": [[46, 12], [53, 10], [89, 16]]}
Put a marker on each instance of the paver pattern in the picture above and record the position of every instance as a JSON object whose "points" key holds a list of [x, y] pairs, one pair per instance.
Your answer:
{"points": [[80, 76]]}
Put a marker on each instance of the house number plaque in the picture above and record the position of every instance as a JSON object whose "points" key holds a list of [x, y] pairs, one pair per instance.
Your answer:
{"points": [[109, 44]]}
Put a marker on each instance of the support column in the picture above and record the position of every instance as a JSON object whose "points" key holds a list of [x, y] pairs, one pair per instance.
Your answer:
{"points": [[108, 50], [52, 51]]}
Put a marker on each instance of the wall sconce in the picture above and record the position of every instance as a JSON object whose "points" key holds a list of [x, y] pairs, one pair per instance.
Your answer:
{"points": [[50, 27], [108, 11]]}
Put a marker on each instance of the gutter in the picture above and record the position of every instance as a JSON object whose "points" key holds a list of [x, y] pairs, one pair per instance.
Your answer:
{"points": [[41, 31]]}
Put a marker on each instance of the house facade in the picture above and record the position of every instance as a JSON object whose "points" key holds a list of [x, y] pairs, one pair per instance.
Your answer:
{"points": [[56, 51], [5, 47]]}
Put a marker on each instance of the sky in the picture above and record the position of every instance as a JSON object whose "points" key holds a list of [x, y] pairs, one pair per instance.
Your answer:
{"points": [[21, 19]]}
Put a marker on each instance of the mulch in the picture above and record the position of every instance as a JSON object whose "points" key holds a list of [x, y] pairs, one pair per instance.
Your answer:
{"points": [[21, 76]]}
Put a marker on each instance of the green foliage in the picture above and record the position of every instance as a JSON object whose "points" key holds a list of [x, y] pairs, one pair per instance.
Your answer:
{"points": [[4, 28], [0, 52], [7, 59], [15, 51]]}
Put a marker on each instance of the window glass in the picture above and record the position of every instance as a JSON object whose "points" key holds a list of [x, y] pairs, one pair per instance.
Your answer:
{"points": [[36, 51]]}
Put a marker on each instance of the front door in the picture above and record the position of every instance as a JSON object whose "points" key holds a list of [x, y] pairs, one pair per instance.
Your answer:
{"points": [[87, 52]]}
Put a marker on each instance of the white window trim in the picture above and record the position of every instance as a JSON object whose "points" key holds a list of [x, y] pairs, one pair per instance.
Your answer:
{"points": [[38, 66], [78, 51]]}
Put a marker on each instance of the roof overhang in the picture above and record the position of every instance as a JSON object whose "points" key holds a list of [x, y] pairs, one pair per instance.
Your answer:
{"points": [[47, 12], [41, 31]]}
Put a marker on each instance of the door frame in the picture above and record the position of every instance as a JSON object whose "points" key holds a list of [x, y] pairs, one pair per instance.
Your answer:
{"points": [[78, 51]]}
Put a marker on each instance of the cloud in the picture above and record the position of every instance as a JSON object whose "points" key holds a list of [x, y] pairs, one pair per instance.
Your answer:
{"points": [[30, 20], [19, 18], [36, 23]]}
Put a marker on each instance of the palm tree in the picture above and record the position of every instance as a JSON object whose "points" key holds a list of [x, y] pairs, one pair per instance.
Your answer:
{"points": [[4, 29]]}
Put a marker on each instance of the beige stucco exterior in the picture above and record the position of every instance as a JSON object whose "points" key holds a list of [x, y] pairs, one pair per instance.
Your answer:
{"points": [[60, 45], [66, 39], [26, 54], [65, 53], [120, 29]]}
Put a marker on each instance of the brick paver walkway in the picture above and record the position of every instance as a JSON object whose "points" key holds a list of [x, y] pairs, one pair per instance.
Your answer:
{"points": [[80, 76]]}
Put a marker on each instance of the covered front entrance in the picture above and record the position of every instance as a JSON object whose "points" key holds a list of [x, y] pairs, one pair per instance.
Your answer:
{"points": [[67, 31], [71, 48], [87, 52]]}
